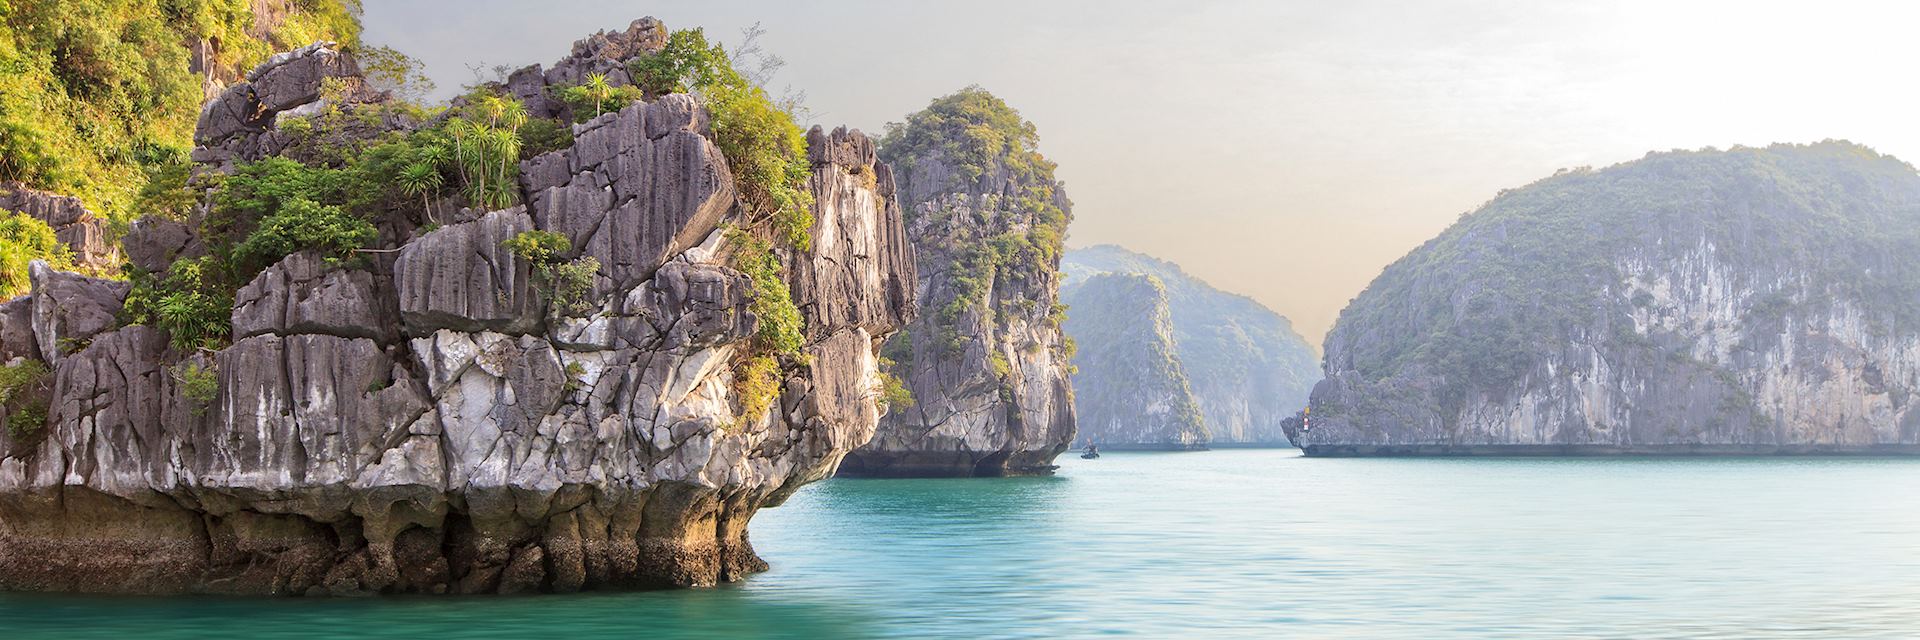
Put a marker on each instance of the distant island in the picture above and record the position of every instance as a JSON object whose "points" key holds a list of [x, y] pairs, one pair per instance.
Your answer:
{"points": [[1746, 301], [1244, 365]]}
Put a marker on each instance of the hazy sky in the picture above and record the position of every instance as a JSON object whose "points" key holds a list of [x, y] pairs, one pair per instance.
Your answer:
{"points": [[1287, 150]]}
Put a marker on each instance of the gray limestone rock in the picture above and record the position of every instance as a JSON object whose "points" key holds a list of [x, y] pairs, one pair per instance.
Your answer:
{"points": [[16, 330], [1247, 366], [986, 362], [416, 423], [638, 186], [303, 294], [69, 309], [293, 79], [72, 223], [1747, 301], [463, 277], [154, 243]]}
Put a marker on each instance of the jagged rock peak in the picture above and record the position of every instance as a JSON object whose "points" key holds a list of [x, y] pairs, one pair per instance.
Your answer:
{"points": [[238, 125], [605, 53]]}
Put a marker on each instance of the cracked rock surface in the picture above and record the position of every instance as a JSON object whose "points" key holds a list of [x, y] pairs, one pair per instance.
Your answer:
{"points": [[427, 422]]}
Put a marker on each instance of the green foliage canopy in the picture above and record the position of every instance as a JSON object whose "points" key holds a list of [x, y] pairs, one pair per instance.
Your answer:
{"points": [[96, 94]]}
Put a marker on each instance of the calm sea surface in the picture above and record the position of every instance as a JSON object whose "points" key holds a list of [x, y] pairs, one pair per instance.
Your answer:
{"points": [[1245, 543]]}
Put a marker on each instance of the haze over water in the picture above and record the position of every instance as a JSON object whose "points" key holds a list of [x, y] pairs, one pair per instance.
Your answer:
{"points": [[1249, 543]]}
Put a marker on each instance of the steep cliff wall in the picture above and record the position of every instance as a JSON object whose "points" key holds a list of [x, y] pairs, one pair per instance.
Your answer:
{"points": [[985, 361], [1246, 365], [1752, 300], [1130, 389], [448, 410]]}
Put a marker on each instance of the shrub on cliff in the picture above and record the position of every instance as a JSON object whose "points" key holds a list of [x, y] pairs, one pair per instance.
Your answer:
{"points": [[595, 97], [305, 224], [766, 151], [24, 239], [564, 283], [781, 327]]}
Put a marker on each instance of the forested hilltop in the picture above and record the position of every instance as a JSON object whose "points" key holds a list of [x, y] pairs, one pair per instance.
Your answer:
{"points": [[985, 363], [1742, 300]]}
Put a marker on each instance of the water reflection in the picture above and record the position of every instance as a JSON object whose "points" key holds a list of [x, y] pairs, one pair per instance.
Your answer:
{"points": [[1224, 544]]}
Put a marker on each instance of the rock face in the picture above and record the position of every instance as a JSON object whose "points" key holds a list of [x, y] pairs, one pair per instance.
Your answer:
{"points": [[72, 223], [604, 53], [1247, 367], [1743, 301], [238, 125], [986, 362], [1131, 391], [431, 423]]}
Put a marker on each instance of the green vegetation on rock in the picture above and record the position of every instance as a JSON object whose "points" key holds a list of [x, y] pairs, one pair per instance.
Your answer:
{"points": [[97, 95], [199, 384], [782, 330], [1478, 307], [24, 239], [20, 384], [565, 283], [1013, 221], [595, 97], [766, 151]]}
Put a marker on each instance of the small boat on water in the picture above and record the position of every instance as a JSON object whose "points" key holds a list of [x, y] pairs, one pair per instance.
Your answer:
{"points": [[1091, 453]]}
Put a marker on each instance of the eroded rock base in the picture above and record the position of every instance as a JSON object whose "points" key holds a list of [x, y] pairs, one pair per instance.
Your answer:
{"points": [[82, 541]]}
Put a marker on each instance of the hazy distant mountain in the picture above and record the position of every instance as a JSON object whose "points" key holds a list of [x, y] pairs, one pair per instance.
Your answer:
{"points": [[1246, 365], [1129, 391], [1750, 300]]}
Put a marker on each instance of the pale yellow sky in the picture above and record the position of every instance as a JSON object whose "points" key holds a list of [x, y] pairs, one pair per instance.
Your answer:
{"points": [[1290, 150]]}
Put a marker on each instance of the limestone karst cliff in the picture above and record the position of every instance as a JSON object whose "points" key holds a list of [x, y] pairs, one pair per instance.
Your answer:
{"points": [[1247, 366], [1739, 301], [985, 361], [445, 369], [1130, 387]]}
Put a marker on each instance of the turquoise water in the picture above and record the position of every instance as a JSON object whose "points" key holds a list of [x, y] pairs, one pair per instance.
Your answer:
{"points": [[1245, 543]]}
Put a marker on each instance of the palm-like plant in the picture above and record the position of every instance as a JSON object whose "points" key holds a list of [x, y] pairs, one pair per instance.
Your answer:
{"points": [[461, 130], [504, 144], [421, 179], [598, 88]]}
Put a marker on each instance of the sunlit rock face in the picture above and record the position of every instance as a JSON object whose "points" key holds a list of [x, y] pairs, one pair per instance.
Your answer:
{"points": [[430, 422], [1742, 301]]}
